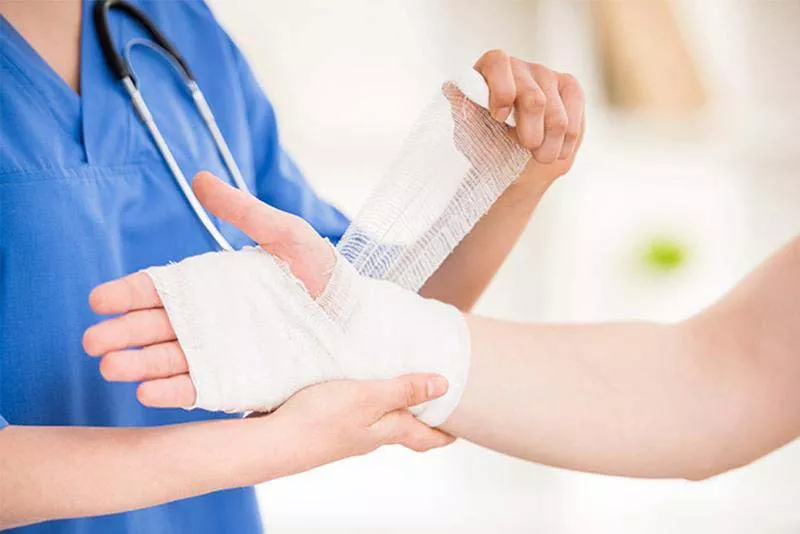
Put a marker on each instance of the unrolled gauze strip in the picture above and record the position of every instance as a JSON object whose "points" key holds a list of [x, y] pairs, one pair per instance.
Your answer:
{"points": [[452, 167]]}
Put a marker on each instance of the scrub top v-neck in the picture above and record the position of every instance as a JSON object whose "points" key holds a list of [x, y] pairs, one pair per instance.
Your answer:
{"points": [[86, 198]]}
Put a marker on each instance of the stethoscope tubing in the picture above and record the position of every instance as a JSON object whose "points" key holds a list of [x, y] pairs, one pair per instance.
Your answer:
{"points": [[122, 69]]}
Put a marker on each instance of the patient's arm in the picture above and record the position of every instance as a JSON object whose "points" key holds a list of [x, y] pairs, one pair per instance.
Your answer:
{"points": [[687, 400]]}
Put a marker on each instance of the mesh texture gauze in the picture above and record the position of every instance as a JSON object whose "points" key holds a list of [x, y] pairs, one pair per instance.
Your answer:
{"points": [[253, 336], [452, 167]]}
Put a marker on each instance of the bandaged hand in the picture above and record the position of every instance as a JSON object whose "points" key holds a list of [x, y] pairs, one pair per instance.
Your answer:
{"points": [[260, 329]]}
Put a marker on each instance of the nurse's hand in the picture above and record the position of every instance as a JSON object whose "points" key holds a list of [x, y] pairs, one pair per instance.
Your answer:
{"points": [[339, 419], [140, 345], [548, 107], [549, 110]]}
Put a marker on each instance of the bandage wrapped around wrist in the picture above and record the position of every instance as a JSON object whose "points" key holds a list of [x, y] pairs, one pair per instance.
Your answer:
{"points": [[253, 335]]}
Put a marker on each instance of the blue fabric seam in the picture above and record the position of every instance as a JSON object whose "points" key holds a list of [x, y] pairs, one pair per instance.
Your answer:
{"points": [[96, 170], [38, 97]]}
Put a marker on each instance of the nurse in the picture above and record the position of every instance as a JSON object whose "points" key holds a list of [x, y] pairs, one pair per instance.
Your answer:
{"points": [[85, 198]]}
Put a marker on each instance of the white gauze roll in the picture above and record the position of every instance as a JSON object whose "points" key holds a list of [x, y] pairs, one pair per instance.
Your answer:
{"points": [[452, 167], [253, 336]]}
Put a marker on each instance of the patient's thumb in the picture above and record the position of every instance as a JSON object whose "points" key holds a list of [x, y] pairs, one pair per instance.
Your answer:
{"points": [[285, 236]]}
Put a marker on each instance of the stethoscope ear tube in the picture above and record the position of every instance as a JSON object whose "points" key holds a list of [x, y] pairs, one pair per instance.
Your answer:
{"points": [[116, 62], [122, 69]]}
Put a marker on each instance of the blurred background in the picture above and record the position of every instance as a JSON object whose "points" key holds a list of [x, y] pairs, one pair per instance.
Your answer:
{"points": [[689, 176]]}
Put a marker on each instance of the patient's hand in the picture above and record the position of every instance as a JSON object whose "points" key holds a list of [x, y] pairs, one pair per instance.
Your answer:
{"points": [[160, 364]]}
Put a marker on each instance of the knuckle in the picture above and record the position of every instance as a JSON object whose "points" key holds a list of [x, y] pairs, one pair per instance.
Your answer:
{"points": [[518, 64], [171, 357], [571, 135], [504, 96], [568, 80], [493, 55], [532, 101], [154, 367], [411, 395], [557, 121], [546, 157], [158, 364], [570, 84], [541, 70]]}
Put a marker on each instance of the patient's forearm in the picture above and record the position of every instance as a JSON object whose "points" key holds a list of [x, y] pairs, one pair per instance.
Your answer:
{"points": [[464, 275], [637, 399], [623, 399]]}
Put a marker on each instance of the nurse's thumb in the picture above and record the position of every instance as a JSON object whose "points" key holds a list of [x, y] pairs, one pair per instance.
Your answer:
{"points": [[282, 234]]}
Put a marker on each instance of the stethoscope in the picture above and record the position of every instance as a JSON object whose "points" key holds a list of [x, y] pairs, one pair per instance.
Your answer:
{"points": [[470, 82], [120, 66]]}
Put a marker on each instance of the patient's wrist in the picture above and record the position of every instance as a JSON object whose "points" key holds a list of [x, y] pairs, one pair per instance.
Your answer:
{"points": [[253, 335]]}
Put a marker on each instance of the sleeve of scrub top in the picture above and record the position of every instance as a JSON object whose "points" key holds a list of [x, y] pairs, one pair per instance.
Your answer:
{"points": [[3, 423], [279, 182]]}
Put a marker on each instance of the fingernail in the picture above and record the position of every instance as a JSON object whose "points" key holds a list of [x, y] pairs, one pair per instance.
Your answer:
{"points": [[436, 387], [502, 114]]}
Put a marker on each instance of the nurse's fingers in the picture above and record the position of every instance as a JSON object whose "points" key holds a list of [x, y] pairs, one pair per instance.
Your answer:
{"points": [[135, 329], [133, 292], [530, 106], [495, 67], [161, 360], [556, 120], [175, 392], [573, 99]]}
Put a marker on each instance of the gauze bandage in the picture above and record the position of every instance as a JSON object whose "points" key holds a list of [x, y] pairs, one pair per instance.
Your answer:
{"points": [[452, 167], [253, 336]]}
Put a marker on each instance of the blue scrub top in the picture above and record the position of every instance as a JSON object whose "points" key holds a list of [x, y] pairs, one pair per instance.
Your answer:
{"points": [[86, 198]]}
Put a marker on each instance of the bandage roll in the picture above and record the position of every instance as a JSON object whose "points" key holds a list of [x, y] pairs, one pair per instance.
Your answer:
{"points": [[452, 167]]}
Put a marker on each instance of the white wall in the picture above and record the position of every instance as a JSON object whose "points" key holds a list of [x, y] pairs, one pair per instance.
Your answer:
{"points": [[349, 77]]}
